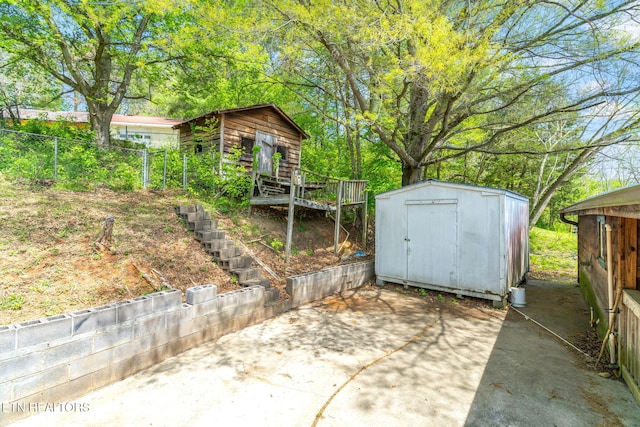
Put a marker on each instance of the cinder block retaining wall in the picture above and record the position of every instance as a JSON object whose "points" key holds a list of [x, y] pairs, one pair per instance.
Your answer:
{"points": [[56, 359]]}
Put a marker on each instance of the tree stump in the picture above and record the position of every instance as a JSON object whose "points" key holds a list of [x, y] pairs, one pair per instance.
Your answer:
{"points": [[105, 239]]}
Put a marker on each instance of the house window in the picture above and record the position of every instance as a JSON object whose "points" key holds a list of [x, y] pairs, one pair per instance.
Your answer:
{"points": [[247, 146], [283, 151], [602, 241]]}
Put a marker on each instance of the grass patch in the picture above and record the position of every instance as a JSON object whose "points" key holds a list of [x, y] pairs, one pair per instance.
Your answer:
{"points": [[553, 255]]}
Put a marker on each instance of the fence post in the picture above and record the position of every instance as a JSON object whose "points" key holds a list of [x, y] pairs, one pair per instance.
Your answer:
{"points": [[144, 168], [184, 172], [55, 159], [164, 172]]}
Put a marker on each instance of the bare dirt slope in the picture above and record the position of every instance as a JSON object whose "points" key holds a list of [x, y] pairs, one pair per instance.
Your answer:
{"points": [[49, 264]]}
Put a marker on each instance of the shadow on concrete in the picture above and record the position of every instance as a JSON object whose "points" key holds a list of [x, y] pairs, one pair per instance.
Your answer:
{"points": [[532, 378]]}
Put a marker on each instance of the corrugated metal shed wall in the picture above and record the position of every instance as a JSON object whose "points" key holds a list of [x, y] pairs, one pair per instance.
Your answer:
{"points": [[454, 237]]}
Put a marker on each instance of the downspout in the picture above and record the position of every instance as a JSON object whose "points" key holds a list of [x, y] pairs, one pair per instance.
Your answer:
{"points": [[611, 337], [567, 221]]}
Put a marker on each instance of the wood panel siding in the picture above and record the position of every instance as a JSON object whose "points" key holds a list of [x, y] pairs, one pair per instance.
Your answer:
{"points": [[246, 123]]}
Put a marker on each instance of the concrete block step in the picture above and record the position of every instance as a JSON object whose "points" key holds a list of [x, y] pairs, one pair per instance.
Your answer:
{"points": [[240, 262], [205, 236], [203, 225], [271, 295], [183, 210], [230, 252], [198, 216], [247, 273], [216, 245], [261, 281]]}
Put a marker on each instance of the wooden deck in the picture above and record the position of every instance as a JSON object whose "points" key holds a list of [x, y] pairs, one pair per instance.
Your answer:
{"points": [[310, 190]]}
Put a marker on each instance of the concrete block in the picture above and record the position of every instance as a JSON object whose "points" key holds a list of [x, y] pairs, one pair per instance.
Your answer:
{"points": [[200, 294], [165, 300], [124, 368], [64, 394], [203, 225], [271, 295], [182, 314], [112, 337], [131, 309], [248, 274], [102, 377], [40, 381], [20, 366], [198, 216], [42, 330], [149, 324], [205, 308], [5, 392], [227, 299], [210, 235], [7, 338], [63, 353], [92, 363], [125, 351], [317, 285], [93, 319]]}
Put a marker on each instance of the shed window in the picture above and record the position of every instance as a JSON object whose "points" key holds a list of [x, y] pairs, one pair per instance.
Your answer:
{"points": [[283, 151], [602, 241], [247, 146]]}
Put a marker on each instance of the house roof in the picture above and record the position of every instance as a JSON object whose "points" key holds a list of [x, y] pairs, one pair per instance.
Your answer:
{"points": [[83, 117], [435, 182], [241, 109], [618, 201]]}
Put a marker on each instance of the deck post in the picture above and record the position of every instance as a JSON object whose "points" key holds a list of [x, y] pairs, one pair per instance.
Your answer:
{"points": [[336, 235], [292, 192]]}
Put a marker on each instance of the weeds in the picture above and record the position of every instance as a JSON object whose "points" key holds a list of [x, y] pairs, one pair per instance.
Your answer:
{"points": [[12, 302]]}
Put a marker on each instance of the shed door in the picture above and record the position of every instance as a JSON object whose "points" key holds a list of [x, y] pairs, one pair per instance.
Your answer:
{"points": [[432, 242], [267, 145]]}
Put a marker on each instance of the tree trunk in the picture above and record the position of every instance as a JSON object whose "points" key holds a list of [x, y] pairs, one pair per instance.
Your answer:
{"points": [[105, 239], [410, 174], [100, 117]]}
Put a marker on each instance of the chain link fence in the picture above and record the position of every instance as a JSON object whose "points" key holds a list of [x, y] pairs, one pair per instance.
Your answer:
{"points": [[84, 165]]}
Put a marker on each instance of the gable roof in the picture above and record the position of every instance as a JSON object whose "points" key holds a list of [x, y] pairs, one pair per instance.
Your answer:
{"points": [[616, 201], [248, 108], [457, 185]]}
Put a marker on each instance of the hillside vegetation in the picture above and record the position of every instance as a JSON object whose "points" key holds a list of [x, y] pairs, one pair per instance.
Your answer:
{"points": [[49, 264]]}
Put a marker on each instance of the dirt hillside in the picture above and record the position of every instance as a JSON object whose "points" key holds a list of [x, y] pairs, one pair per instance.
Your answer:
{"points": [[50, 265]]}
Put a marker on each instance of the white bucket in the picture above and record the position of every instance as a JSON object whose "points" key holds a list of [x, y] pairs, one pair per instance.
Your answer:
{"points": [[517, 297]]}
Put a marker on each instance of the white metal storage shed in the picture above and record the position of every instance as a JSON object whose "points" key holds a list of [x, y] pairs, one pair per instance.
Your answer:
{"points": [[452, 237]]}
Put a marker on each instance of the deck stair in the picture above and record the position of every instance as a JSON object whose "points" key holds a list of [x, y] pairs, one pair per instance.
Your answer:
{"points": [[223, 250]]}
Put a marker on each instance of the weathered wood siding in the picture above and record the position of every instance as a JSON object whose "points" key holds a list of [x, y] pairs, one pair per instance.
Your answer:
{"points": [[203, 132], [624, 256], [245, 124]]}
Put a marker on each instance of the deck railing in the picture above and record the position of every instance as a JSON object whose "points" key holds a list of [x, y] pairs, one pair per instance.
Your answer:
{"points": [[629, 334], [317, 187]]}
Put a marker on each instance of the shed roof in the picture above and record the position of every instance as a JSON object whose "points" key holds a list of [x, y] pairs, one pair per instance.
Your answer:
{"points": [[622, 202], [241, 109], [435, 182]]}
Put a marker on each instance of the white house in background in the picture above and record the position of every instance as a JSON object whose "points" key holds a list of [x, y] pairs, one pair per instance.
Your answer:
{"points": [[154, 132]]}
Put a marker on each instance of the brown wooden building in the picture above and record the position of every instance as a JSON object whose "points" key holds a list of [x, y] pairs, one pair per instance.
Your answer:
{"points": [[608, 270], [263, 125]]}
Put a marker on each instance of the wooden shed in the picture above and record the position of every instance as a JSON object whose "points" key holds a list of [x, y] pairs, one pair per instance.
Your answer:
{"points": [[609, 271], [263, 125], [452, 237]]}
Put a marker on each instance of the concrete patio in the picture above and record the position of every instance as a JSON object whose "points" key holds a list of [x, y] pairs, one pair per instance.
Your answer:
{"points": [[376, 357]]}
